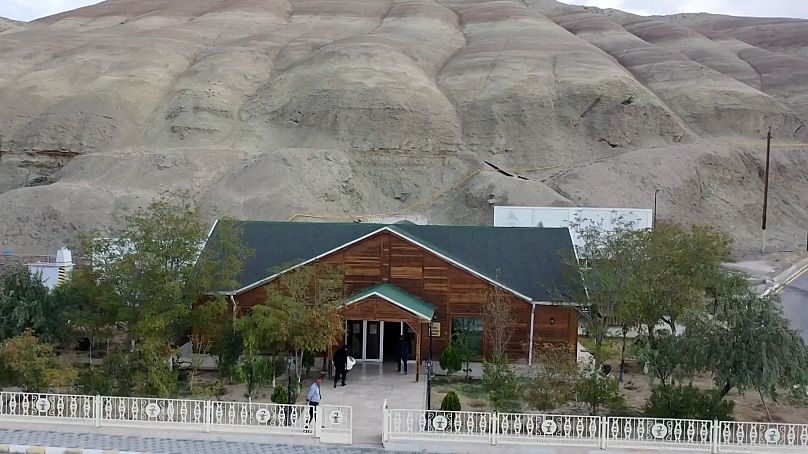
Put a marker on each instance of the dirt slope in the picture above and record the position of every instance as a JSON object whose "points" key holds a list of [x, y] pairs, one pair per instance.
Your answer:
{"points": [[307, 109]]}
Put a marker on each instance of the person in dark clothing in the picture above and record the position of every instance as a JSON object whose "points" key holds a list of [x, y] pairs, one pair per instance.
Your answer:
{"points": [[341, 364], [403, 353]]}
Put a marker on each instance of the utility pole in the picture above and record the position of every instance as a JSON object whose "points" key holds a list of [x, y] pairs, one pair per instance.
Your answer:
{"points": [[766, 191], [656, 191]]}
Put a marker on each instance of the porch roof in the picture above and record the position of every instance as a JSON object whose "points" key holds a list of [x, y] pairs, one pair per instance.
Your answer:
{"points": [[397, 296]]}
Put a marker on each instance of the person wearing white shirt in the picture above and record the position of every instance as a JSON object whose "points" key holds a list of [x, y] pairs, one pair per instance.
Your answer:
{"points": [[314, 397]]}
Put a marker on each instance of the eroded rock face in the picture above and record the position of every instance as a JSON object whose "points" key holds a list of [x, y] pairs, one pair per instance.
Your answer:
{"points": [[332, 109]]}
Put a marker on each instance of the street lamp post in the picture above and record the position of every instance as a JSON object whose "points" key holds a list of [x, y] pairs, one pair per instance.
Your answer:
{"points": [[656, 191], [429, 368]]}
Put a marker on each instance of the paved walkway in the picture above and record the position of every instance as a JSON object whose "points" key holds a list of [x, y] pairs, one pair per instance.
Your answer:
{"points": [[368, 385], [163, 443]]}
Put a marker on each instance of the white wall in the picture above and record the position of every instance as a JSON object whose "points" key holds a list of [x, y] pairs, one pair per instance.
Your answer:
{"points": [[513, 216]]}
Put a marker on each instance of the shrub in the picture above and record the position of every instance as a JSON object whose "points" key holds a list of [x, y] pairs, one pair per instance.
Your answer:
{"points": [[450, 360], [450, 402], [598, 391], [279, 395], [555, 377], [34, 364], [687, 402], [501, 384], [92, 380]]}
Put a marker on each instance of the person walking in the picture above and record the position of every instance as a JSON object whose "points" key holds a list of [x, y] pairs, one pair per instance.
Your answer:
{"points": [[341, 364], [314, 397], [403, 353]]}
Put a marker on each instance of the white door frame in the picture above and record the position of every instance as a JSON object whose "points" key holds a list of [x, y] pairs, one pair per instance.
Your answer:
{"points": [[365, 343]]}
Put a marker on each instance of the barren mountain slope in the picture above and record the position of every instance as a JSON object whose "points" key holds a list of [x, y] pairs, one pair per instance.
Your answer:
{"points": [[337, 109]]}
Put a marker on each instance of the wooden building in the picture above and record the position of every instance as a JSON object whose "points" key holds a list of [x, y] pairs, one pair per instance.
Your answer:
{"points": [[402, 276]]}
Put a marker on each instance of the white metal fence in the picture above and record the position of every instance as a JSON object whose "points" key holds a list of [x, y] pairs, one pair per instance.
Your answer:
{"points": [[189, 414], [659, 433], [149, 412], [565, 430], [614, 432], [52, 408], [762, 437]]}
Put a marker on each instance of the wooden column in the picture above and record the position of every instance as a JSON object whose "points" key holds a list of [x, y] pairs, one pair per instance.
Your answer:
{"points": [[418, 353]]}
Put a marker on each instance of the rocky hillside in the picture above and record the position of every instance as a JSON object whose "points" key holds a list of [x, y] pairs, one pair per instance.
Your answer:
{"points": [[334, 109]]}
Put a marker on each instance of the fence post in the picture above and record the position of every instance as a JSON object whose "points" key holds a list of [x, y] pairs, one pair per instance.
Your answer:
{"points": [[716, 433], [604, 431], [494, 421], [385, 422], [319, 420], [97, 407], [208, 415]]}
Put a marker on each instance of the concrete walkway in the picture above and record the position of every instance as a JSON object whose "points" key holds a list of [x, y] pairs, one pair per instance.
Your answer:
{"points": [[368, 385]]}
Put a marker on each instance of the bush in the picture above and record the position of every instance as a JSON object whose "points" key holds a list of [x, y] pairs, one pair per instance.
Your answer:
{"points": [[450, 360], [279, 395], [501, 384], [450, 402], [598, 391], [687, 402], [34, 364], [93, 380]]}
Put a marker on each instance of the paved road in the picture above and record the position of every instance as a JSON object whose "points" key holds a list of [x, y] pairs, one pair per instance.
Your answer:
{"points": [[161, 445], [795, 303]]}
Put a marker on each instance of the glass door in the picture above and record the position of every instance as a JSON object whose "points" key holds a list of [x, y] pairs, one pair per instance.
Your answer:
{"points": [[355, 338], [373, 341]]}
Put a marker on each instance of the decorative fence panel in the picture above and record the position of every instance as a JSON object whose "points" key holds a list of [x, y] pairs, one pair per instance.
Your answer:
{"points": [[261, 418], [336, 424], [526, 428], [439, 425], [762, 437], [152, 412], [54, 408], [687, 434]]}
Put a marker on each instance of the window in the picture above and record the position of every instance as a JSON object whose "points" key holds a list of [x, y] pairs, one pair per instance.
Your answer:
{"points": [[468, 331]]}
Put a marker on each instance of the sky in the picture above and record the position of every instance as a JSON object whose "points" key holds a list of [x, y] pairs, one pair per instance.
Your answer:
{"points": [[26, 10]]}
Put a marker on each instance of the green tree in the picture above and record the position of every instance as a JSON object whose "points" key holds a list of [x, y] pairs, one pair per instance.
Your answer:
{"points": [[501, 384], [35, 366], [91, 307], [604, 265], [678, 265], [671, 362], [25, 304], [258, 331], [304, 304], [450, 360], [747, 344], [152, 262]]}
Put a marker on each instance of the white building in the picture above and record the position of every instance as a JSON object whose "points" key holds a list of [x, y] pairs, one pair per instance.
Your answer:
{"points": [[608, 218], [54, 273]]}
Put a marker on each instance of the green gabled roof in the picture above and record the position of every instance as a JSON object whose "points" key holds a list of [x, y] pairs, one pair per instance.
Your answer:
{"points": [[526, 260], [398, 297]]}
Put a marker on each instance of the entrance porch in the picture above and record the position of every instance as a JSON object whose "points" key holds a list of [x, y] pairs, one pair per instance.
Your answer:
{"points": [[376, 317]]}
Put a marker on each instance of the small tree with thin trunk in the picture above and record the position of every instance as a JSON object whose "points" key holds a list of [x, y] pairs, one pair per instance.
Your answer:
{"points": [[499, 321]]}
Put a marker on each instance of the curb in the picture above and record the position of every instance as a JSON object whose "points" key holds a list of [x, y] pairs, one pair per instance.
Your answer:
{"points": [[787, 276], [27, 449]]}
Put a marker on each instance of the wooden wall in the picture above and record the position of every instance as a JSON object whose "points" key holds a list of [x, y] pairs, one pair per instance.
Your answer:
{"points": [[386, 258]]}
